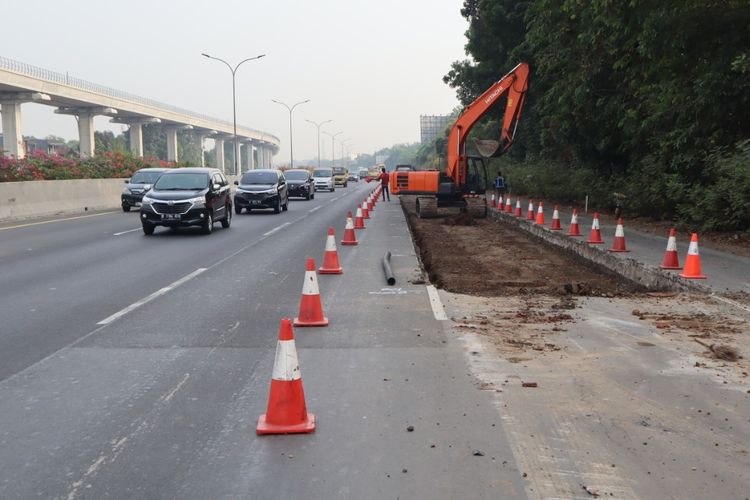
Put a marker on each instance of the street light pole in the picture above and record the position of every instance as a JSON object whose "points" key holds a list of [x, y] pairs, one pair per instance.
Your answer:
{"points": [[318, 125], [333, 150], [234, 102], [291, 144], [342, 142]]}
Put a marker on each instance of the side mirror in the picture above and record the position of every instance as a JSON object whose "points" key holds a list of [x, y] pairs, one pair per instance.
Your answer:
{"points": [[236, 183], [215, 186], [147, 187], [127, 181]]}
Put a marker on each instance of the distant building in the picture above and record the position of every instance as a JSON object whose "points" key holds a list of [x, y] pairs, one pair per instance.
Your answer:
{"points": [[431, 125], [32, 144]]}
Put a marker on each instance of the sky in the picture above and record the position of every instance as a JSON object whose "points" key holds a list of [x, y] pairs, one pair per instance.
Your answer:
{"points": [[370, 66]]}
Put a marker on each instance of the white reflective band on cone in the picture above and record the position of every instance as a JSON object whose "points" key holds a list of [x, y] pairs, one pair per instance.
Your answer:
{"points": [[330, 244], [359, 212], [574, 219], [619, 232], [286, 365], [555, 214], [311, 284], [540, 210], [595, 224], [693, 248], [531, 207], [349, 223], [518, 203], [672, 244]]}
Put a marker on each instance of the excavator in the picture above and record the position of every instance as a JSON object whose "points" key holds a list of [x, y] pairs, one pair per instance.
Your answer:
{"points": [[464, 182]]}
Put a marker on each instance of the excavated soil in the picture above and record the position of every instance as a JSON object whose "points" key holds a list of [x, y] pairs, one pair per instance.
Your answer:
{"points": [[480, 257]]}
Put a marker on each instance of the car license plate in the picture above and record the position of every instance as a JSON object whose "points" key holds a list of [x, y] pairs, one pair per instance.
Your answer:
{"points": [[137, 204], [170, 216], [255, 202]]}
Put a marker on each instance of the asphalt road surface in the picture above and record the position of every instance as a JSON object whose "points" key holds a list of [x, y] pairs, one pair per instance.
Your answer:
{"points": [[137, 367]]}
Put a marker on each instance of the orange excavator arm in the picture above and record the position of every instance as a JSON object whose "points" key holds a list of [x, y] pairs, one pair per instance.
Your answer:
{"points": [[514, 85]]}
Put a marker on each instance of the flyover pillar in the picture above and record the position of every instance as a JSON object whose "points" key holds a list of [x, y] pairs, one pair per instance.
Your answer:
{"points": [[219, 150], [262, 156], [136, 140], [86, 134], [250, 156], [12, 131], [172, 144]]}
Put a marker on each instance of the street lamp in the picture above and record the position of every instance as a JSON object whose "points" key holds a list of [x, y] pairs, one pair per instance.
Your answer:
{"points": [[342, 142], [333, 151], [234, 103], [291, 144], [318, 125]]}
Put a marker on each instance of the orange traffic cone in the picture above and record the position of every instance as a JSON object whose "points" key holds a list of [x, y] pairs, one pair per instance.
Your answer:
{"points": [[331, 257], [371, 203], [540, 215], [693, 261], [310, 309], [359, 222], [492, 201], [286, 412], [671, 260], [508, 206], [555, 220], [618, 245], [518, 213], [530, 213], [365, 210], [349, 237], [596, 235], [574, 230]]}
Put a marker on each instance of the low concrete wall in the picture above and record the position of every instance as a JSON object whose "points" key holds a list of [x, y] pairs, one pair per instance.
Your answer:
{"points": [[650, 277], [29, 199]]}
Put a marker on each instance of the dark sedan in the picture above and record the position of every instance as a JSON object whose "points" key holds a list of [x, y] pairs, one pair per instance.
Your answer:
{"points": [[137, 186], [300, 183], [262, 188]]}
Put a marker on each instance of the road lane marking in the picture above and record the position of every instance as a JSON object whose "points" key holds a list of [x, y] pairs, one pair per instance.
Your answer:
{"points": [[278, 228], [57, 220], [146, 300], [437, 305], [314, 209], [126, 232]]}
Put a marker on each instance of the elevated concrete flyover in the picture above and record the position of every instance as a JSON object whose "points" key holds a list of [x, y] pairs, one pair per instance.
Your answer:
{"points": [[21, 82]]}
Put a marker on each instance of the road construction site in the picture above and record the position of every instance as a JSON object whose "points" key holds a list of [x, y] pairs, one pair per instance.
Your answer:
{"points": [[607, 387]]}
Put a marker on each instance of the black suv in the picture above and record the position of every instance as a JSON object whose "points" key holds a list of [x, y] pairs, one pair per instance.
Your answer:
{"points": [[187, 197], [137, 185], [300, 183], [262, 188]]}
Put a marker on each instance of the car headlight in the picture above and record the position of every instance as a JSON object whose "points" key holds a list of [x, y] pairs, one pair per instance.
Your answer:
{"points": [[146, 201], [126, 191], [198, 201]]}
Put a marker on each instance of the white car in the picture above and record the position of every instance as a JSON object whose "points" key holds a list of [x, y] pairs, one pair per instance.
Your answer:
{"points": [[323, 178]]}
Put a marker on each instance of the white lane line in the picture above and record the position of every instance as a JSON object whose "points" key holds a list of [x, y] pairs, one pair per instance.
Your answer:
{"points": [[58, 220], [126, 232], [278, 228], [334, 199], [437, 305], [146, 300], [314, 209]]}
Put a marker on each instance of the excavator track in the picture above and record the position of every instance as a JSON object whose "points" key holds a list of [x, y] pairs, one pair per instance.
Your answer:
{"points": [[477, 207], [427, 208]]}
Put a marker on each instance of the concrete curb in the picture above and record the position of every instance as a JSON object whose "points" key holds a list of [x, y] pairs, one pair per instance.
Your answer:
{"points": [[650, 277]]}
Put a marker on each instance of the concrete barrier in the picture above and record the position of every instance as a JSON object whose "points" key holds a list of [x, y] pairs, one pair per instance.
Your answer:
{"points": [[30, 199]]}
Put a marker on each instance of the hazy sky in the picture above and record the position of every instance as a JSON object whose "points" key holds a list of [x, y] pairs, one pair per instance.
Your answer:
{"points": [[371, 66]]}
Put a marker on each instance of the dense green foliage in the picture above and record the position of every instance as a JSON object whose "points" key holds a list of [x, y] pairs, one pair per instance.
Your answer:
{"points": [[645, 97]]}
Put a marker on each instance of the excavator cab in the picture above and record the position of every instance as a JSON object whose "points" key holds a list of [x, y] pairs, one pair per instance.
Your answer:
{"points": [[476, 180]]}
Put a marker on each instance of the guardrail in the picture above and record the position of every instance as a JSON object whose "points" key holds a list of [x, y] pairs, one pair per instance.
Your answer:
{"points": [[77, 83]]}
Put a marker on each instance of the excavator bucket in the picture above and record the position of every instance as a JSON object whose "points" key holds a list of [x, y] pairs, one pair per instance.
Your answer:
{"points": [[487, 148]]}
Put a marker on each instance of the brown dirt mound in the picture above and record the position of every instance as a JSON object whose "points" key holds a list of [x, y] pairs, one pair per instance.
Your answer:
{"points": [[482, 257]]}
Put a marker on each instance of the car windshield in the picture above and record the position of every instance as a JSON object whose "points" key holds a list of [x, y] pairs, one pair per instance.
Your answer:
{"points": [[338, 170], [322, 173], [145, 177], [259, 178], [296, 175], [179, 182]]}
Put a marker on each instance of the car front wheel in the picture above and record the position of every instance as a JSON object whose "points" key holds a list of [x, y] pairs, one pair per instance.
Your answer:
{"points": [[277, 207], [148, 229], [237, 209], [125, 208], [208, 224]]}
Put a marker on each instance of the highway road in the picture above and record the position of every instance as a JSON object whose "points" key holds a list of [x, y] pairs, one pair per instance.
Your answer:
{"points": [[136, 367]]}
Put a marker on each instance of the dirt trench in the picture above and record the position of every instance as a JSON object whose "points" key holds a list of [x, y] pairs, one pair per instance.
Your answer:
{"points": [[481, 257]]}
